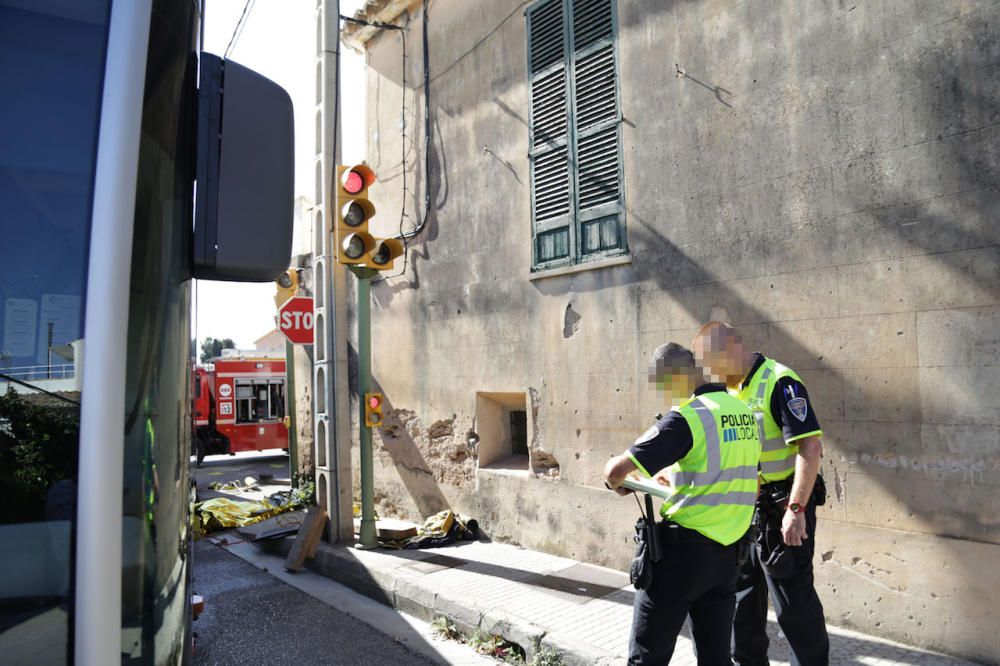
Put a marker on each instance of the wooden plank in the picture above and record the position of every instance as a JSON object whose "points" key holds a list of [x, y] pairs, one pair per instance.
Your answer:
{"points": [[389, 529], [307, 540]]}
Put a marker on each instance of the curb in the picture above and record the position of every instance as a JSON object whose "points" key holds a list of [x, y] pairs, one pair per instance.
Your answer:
{"points": [[400, 588]]}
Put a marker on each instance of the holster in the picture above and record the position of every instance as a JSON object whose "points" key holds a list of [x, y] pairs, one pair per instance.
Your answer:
{"points": [[648, 548], [775, 558]]}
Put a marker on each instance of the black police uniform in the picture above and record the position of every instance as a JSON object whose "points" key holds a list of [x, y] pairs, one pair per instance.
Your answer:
{"points": [[793, 595], [698, 578]]}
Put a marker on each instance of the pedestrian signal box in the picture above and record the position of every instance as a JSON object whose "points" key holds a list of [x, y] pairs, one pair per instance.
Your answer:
{"points": [[373, 409]]}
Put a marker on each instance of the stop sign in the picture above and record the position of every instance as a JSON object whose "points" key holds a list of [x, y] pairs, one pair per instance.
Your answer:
{"points": [[296, 319]]}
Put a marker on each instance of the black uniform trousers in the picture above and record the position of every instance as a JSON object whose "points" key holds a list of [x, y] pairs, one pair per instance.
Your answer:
{"points": [[695, 576], [799, 611]]}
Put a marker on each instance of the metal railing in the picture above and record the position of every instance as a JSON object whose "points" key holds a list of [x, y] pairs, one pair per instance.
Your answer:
{"points": [[36, 372]]}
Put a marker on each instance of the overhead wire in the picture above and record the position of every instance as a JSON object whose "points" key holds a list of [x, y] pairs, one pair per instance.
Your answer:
{"points": [[238, 30], [406, 235]]}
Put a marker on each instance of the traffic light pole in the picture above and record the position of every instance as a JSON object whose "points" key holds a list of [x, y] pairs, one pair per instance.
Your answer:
{"points": [[293, 433], [367, 537]]}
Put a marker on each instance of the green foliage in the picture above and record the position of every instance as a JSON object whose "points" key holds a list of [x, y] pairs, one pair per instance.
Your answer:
{"points": [[212, 348], [38, 447], [446, 628], [495, 646], [546, 657], [303, 489]]}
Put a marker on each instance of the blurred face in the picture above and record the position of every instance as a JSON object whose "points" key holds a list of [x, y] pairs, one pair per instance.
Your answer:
{"points": [[674, 384], [720, 351]]}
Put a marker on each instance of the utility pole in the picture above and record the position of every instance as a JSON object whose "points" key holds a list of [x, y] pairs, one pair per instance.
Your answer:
{"points": [[331, 388]]}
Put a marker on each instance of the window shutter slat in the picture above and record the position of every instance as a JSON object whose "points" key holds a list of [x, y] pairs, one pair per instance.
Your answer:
{"points": [[599, 168], [591, 22], [548, 106], [551, 183], [594, 77], [546, 28]]}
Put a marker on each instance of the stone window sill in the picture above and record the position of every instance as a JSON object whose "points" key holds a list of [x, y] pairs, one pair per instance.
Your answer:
{"points": [[580, 268]]}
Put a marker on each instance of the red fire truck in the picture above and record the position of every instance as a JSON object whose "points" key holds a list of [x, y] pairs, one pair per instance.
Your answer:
{"points": [[239, 404]]}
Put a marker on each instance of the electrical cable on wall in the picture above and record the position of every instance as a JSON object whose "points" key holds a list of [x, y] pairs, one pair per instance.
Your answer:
{"points": [[402, 235]]}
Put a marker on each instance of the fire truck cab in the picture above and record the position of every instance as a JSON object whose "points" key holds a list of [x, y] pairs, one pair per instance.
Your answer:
{"points": [[239, 404]]}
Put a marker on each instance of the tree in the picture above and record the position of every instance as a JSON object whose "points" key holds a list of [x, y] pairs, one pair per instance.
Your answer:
{"points": [[212, 348], [39, 441]]}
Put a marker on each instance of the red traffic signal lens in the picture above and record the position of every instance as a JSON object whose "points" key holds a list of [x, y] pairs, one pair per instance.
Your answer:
{"points": [[374, 401], [354, 182]]}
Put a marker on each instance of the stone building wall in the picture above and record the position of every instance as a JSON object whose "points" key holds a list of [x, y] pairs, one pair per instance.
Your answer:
{"points": [[822, 175]]}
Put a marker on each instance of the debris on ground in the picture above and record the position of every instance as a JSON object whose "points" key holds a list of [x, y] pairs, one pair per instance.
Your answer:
{"points": [[307, 539], [246, 485], [441, 529], [221, 513]]}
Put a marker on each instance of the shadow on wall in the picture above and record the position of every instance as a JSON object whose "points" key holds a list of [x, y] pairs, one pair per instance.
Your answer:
{"points": [[911, 216], [414, 471], [914, 227]]}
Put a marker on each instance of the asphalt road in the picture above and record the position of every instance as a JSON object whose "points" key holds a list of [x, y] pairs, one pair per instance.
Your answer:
{"points": [[251, 617], [259, 464]]}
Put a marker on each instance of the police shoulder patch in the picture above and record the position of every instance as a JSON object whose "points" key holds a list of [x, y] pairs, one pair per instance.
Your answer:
{"points": [[649, 435], [799, 407]]}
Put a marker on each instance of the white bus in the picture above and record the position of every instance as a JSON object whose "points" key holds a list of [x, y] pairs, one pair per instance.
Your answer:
{"points": [[129, 163]]}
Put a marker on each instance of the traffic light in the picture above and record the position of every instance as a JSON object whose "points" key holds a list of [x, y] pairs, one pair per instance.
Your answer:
{"points": [[373, 409], [354, 210], [287, 286], [384, 253]]}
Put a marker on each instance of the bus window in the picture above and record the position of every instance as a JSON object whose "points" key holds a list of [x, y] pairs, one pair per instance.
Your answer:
{"points": [[51, 69]]}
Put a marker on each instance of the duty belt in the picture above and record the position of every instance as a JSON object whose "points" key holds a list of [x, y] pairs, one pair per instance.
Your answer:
{"points": [[671, 533]]}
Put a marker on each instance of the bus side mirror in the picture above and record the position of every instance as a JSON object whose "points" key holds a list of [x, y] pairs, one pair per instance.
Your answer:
{"points": [[245, 173]]}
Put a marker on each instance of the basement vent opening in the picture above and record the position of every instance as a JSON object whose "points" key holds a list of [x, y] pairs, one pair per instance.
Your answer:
{"points": [[502, 428]]}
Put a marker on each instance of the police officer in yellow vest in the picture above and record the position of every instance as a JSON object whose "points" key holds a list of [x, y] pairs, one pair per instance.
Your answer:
{"points": [[709, 448], [785, 520]]}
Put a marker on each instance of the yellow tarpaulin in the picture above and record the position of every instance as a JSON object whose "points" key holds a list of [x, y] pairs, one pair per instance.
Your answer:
{"points": [[220, 513]]}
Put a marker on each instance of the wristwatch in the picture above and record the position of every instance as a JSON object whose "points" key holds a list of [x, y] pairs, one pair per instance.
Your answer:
{"points": [[795, 507]]}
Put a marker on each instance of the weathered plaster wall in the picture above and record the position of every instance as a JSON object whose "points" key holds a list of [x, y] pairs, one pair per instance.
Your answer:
{"points": [[823, 175]]}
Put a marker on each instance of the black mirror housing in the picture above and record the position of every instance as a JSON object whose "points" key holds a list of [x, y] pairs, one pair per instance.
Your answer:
{"points": [[246, 174]]}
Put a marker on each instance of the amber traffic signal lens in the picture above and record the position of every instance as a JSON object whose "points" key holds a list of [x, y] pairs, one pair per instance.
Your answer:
{"points": [[354, 214]]}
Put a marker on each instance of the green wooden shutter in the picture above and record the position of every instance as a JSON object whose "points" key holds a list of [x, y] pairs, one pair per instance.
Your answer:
{"points": [[551, 178], [577, 198], [596, 130]]}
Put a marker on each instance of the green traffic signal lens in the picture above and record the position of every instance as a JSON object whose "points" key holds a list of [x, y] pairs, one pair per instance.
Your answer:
{"points": [[354, 246], [382, 254]]}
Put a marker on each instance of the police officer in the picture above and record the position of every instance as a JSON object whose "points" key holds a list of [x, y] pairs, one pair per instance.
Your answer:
{"points": [[786, 512], [710, 448]]}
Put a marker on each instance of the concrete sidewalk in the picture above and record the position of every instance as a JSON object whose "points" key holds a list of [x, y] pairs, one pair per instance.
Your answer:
{"points": [[543, 602]]}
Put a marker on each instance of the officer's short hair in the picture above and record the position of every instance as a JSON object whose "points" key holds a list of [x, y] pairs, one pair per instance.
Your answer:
{"points": [[719, 334], [669, 358]]}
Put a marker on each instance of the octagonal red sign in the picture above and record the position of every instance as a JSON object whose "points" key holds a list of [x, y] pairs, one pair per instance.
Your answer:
{"points": [[296, 320]]}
